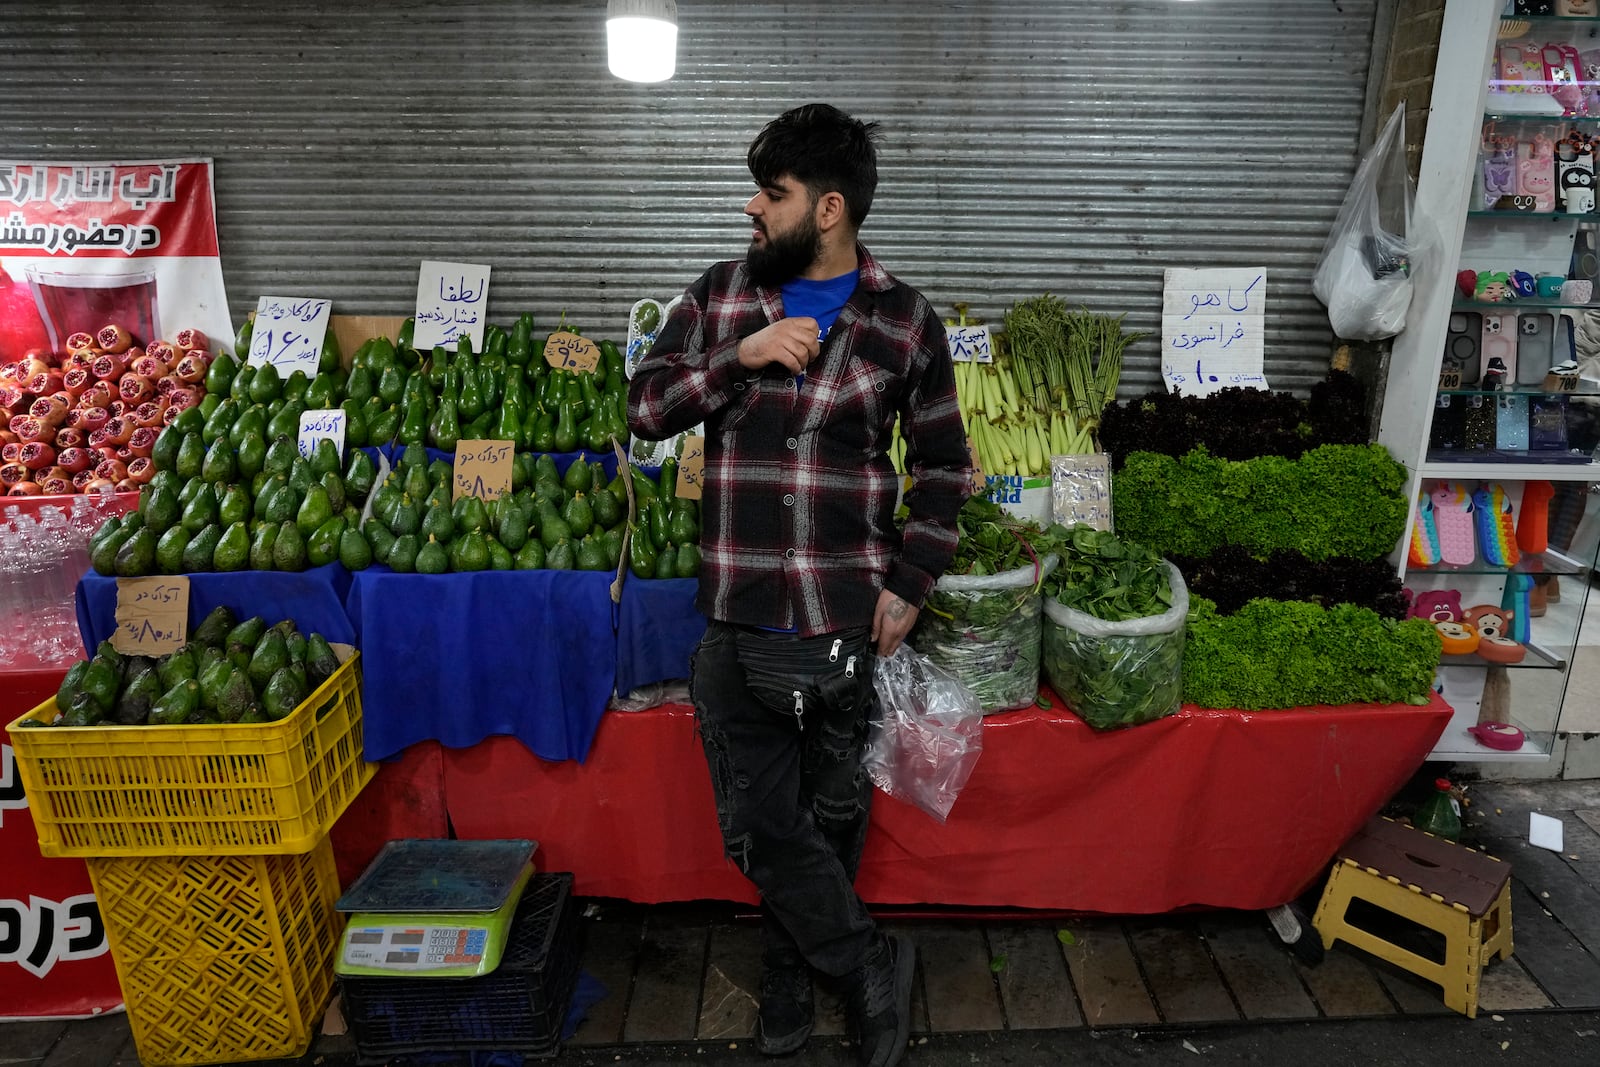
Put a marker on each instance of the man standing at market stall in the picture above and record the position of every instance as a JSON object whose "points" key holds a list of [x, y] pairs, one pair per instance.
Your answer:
{"points": [[798, 359]]}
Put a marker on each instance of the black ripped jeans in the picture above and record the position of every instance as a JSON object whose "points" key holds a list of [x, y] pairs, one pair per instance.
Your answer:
{"points": [[784, 722]]}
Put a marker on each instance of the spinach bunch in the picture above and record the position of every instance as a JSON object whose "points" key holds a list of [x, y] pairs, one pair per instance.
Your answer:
{"points": [[1104, 576]]}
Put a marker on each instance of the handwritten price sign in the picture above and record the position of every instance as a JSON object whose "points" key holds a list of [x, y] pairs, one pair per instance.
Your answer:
{"points": [[152, 615], [452, 299], [288, 333], [970, 344], [568, 351], [483, 470], [319, 424], [691, 468], [1212, 328]]}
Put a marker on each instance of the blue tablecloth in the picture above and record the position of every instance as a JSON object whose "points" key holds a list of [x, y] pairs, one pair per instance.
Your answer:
{"points": [[314, 599], [563, 460], [460, 657], [657, 629]]}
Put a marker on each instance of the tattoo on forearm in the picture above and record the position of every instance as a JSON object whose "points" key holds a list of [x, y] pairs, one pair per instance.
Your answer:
{"points": [[897, 609]]}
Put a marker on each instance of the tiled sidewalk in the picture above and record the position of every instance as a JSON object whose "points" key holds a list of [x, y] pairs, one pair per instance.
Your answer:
{"points": [[689, 973]]}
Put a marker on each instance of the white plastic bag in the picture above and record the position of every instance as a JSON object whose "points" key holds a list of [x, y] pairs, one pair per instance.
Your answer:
{"points": [[985, 629], [1375, 246], [929, 733]]}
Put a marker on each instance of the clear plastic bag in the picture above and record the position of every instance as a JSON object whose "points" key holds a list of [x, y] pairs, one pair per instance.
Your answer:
{"points": [[1376, 244], [985, 630], [1117, 673], [928, 736]]}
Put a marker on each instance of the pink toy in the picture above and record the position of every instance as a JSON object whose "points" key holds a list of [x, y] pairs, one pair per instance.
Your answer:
{"points": [[1452, 517], [1536, 172], [1437, 605]]}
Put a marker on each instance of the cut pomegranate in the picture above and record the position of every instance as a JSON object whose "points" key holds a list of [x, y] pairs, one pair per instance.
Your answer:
{"points": [[58, 485], [81, 480], [78, 342], [36, 456], [27, 428], [189, 340], [75, 381], [143, 440], [95, 484], [135, 389], [74, 460], [9, 451], [74, 419], [113, 469], [24, 489], [117, 407], [148, 366], [141, 470], [94, 419], [109, 367], [49, 410], [119, 430], [70, 437], [183, 399], [190, 369], [114, 338], [127, 485], [125, 453], [79, 361], [13, 472], [11, 397], [167, 384], [149, 413]]}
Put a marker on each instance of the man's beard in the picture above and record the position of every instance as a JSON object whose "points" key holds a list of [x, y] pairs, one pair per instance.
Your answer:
{"points": [[781, 259]]}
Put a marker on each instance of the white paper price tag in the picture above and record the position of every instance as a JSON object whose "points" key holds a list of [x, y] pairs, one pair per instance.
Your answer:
{"points": [[319, 424], [1213, 325], [970, 344], [452, 299], [288, 333]]}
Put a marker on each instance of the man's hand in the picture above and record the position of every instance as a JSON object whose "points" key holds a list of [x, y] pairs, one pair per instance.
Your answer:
{"points": [[891, 621], [790, 342]]}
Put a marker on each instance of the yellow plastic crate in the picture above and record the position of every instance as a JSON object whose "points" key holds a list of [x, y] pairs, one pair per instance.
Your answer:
{"points": [[221, 959], [235, 789]]}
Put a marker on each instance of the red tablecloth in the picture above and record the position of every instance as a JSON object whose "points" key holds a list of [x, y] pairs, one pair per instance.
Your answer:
{"points": [[1205, 808]]}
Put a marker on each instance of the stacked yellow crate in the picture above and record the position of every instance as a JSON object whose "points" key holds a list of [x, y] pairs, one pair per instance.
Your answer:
{"points": [[208, 849]]}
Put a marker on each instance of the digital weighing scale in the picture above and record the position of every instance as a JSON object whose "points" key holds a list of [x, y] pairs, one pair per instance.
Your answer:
{"points": [[433, 908]]}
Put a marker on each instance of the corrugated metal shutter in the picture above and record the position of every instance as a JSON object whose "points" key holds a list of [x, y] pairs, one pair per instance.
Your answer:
{"points": [[1071, 147]]}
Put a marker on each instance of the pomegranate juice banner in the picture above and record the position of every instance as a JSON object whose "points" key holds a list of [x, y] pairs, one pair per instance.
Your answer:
{"points": [[87, 248]]}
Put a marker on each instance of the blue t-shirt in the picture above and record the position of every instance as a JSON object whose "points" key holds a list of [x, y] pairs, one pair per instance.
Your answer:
{"points": [[822, 300]]}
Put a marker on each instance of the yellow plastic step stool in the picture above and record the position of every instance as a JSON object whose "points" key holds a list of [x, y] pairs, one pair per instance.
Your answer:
{"points": [[1448, 888]]}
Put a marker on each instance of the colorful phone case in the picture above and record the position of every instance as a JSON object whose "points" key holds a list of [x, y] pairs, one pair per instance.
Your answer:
{"points": [[1496, 525], [1536, 172], [1535, 345], [1511, 423], [1575, 177], [1499, 343], [1452, 517], [1424, 550], [1499, 169], [1478, 423]]}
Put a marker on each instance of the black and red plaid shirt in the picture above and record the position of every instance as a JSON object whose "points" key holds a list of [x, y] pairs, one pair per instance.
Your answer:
{"points": [[797, 525]]}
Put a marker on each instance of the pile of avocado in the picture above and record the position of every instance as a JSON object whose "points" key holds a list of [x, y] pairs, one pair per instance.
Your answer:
{"points": [[549, 521], [228, 672]]}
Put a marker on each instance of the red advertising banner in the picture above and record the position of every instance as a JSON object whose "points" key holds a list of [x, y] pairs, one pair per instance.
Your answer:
{"points": [[54, 960], [86, 245]]}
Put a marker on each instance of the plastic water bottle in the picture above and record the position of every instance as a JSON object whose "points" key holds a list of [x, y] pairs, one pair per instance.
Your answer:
{"points": [[1439, 815]]}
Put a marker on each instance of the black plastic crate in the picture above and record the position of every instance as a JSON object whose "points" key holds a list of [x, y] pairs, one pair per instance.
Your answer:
{"points": [[518, 1007]]}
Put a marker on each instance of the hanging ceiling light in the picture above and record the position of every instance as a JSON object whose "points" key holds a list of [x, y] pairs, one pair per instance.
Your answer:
{"points": [[642, 39]]}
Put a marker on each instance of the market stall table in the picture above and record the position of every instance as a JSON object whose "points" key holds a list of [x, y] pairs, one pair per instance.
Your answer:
{"points": [[1205, 808]]}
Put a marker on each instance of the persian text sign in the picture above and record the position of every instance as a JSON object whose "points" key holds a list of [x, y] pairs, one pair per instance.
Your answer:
{"points": [[288, 333], [1212, 326], [451, 301]]}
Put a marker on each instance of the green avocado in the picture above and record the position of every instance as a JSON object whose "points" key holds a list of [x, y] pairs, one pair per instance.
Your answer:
{"points": [[236, 696], [214, 628], [266, 536], [432, 558], [402, 557], [530, 557], [591, 554], [355, 554], [176, 666], [234, 506], [190, 457], [321, 663], [162, 510], [201, 510], [283, 693], [252, 455], [322, 547], [265, 385], [289, 550], [667, 563], [212, 682], [359, 475], [137, 555], [281, 454], [561, 557], [137, 698], [176, 705], [325, 457], [271, 655], [201, 549], [315, 510]]}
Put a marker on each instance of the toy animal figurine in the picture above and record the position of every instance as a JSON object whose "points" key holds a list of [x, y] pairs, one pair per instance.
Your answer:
{"points": [[1437, 605], [1494, 287], [1494, 634], [1575, 175], [1499, 170], [1577, 8], [1456, 638]]}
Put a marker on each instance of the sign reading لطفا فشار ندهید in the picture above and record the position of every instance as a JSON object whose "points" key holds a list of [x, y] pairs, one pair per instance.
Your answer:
{"points": [[452, 301], [1212, 326]]}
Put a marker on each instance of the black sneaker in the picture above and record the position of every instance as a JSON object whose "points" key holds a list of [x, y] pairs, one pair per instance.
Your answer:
{"points": [[880, 1000], [784, 1021]]}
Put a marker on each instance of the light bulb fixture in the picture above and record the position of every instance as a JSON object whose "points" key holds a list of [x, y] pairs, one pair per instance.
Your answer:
{"points": [[642, 39]]}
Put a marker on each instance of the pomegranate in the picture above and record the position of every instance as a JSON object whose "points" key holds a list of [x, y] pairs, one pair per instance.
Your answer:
{"points": [[170, 414], [102, 451], [56, 484], [9, 451], [141, 470], [12, 473], [118, 430], [166, 385], [164, 351], [80, 480], [79, 342], [117, 407], [74, 420], [24, 489], [50, 410], [149, 413], [190, 369], [93, 418], [94, 483], [111, 469], [44, 382], [79, 361], [70, 437], [124, 453], [11, 396], [76, 380], [186, 398], [109, 367], [114, 338], [189, 340], [74, 459], [143, 440], [127, 485], [36, 456], [148, 366], [135, 389], [98, 395], [28, 429]]}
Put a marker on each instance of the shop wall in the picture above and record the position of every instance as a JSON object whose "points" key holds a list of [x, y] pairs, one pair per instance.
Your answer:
{"points": [[1072, 147]]}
